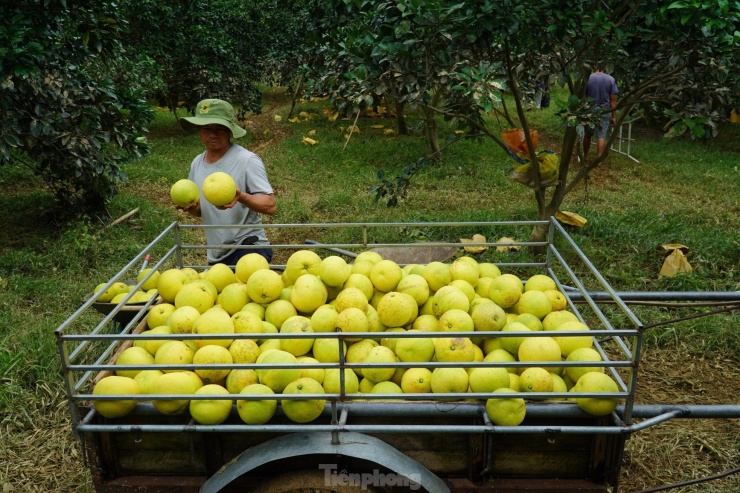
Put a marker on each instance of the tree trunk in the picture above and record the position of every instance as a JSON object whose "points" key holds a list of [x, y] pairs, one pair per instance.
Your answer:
{"points": [[432, 132], [403, 128]]}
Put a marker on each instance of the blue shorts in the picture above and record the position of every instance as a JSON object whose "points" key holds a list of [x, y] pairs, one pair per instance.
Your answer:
{"points": [[600, 129], [232, 258]]}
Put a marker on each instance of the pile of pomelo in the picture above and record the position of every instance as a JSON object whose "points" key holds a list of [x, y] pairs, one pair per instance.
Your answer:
{"points": [[371, 295]]}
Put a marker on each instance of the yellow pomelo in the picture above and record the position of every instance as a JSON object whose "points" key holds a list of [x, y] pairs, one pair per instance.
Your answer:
{"points": [[505, 290], [514, 382], [247, 322], [220, 275], [210, 411], [553, 320], [414, 349], [278, 311], [366, 386], [307, 410], [569, 344], [145, 378], [190, 274], [361, 282], [334, 270], [212, 355], [535, 302], [278, 378], [559, 386], [397, 309], [151, 345], [302, 262], [308, 293], [379, 355], [416, 286], [112, 385], [373, 320], [195, 294], [169, 283], [484, 287], [173, 353], [248, 265], [159, 315], [114, 290], [385, 275], [363, 267], [465, 270], [557, 299], [244, 351], [529, 320], [596, 382], [317, 374], [326, 350], [539, 282], [487, 269], [255, 308], [449, 380], [465, 287], [237, 379], [268, 328], [512, 343], [535, 349], [369, 256], [448, 298], [488, 317], [268, 344], [178, 382], [132, 356], [350, 297], [416, 381], [506, 411], [264, 286], [208, 284], [426, 323], [285, 293], [352, 320], [456, 320], [386, 387], [184, 193], [214, 321], [491, 343], [332, 384], [437, 275], [501, 356], [582, 354], [219, 188], [454, 349], [256, 412], [357, 351], [233, 297], [151, 282], [297, 324], [324, 318], [390, 342], [488, 379], [535, 379]]}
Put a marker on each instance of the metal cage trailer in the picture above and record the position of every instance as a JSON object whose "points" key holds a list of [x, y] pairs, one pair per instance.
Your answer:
{"points": [[371, 442]]}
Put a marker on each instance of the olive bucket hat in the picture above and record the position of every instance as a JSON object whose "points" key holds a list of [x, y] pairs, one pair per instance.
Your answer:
{"points": [[213, 111]]}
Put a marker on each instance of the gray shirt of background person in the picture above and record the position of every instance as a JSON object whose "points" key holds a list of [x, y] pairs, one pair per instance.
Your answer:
{"points": [[250, 176], [600, 87]]}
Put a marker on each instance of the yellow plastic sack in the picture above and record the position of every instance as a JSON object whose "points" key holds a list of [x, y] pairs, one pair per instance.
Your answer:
{"points": [[676, 261], [549, 168]]}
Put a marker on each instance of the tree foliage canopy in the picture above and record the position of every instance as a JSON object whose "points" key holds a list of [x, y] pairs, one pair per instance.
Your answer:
{"points": [[71, 107]]}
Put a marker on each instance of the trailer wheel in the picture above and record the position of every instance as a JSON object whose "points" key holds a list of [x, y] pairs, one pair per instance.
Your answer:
{"points": [[310, 481]]}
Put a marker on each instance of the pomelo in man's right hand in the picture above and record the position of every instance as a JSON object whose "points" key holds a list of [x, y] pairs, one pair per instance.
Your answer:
{"points": [[184, 193]]}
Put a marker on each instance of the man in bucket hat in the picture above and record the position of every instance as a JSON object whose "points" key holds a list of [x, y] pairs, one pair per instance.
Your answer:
{"points": [[215, 123]]}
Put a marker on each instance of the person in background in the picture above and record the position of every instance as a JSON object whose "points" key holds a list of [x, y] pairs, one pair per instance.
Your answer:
{"points": [[603, 89], [216, 125]]}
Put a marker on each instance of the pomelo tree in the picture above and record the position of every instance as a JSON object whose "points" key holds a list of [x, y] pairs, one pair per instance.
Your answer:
{"points": [[72, 104], [675, 63]]}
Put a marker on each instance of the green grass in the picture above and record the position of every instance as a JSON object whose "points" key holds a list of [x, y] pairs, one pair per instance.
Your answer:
{"points": [[682, 191]]}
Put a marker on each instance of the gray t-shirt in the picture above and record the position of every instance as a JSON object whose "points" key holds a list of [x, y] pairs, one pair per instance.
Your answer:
{"points": [[600, 87], [248, 171]]}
